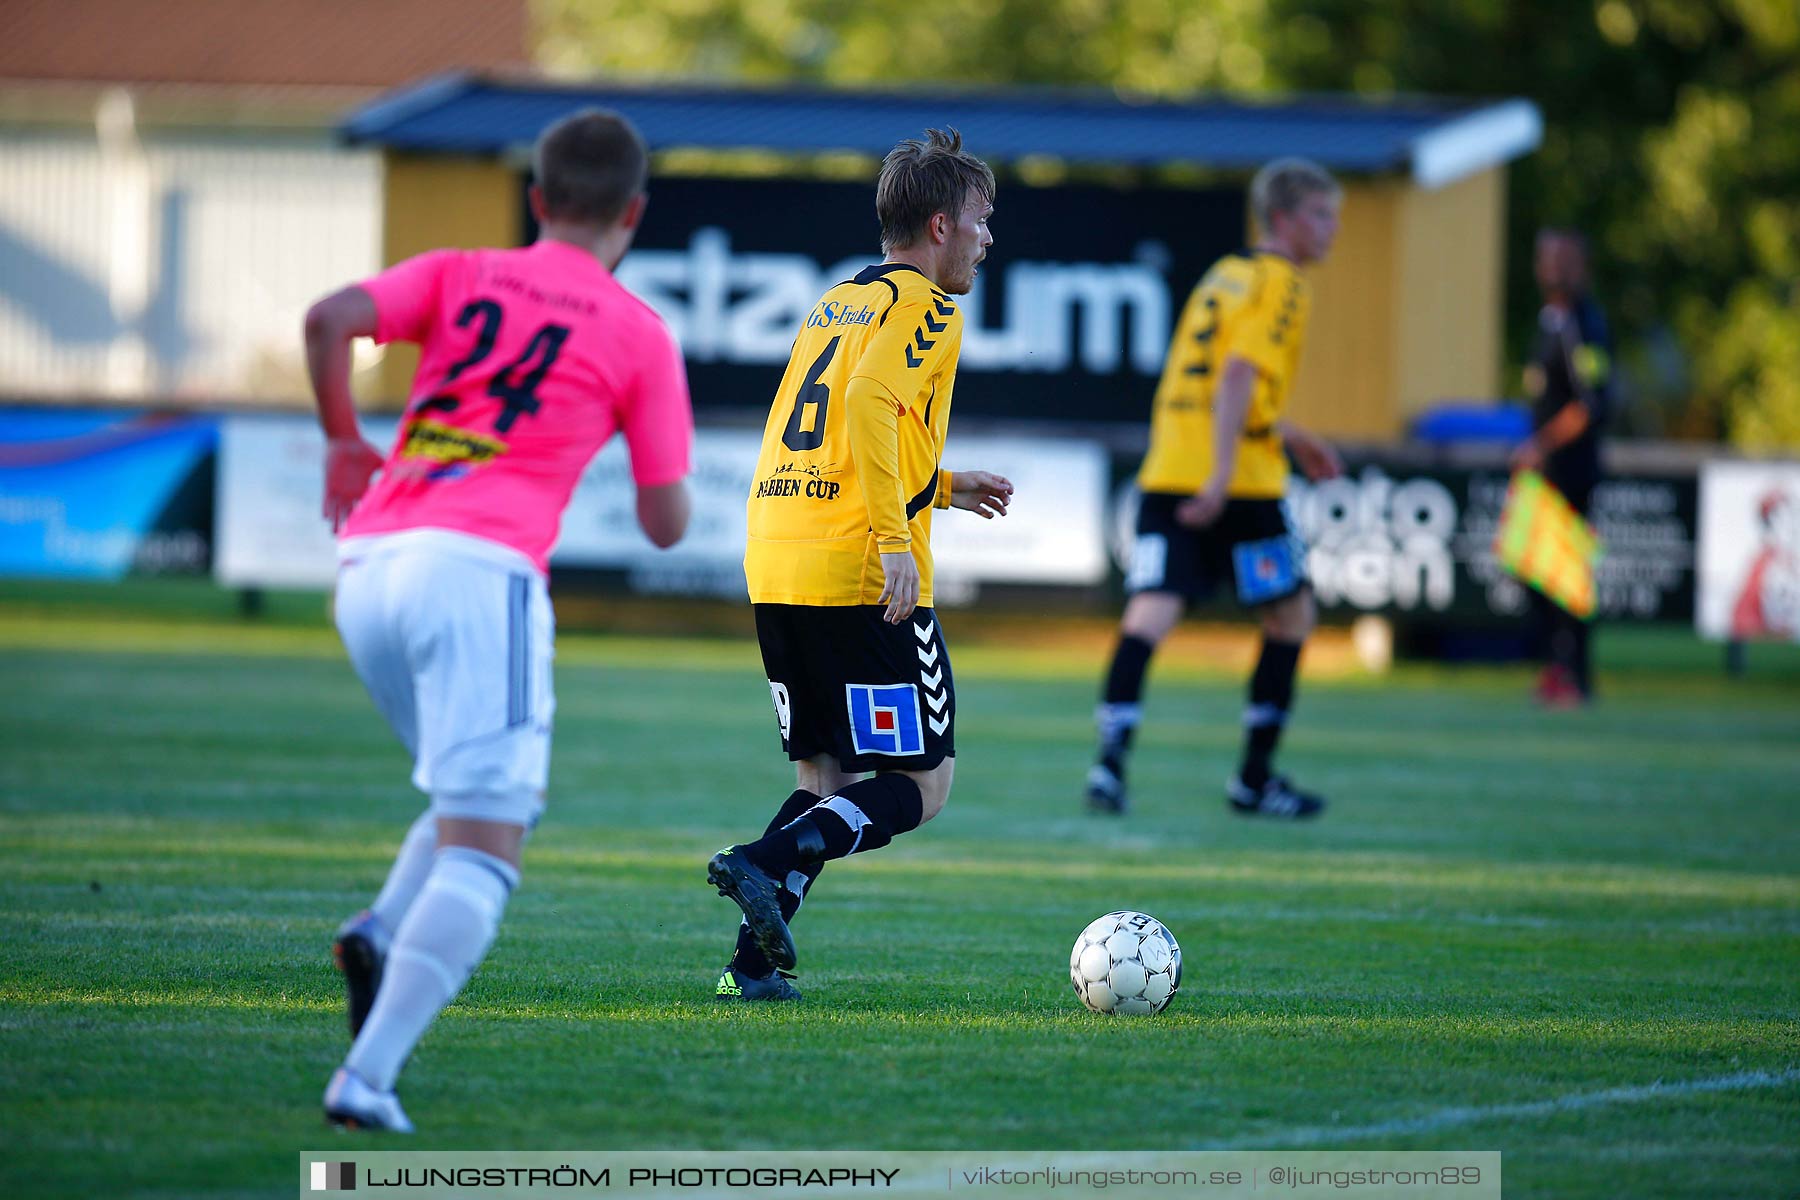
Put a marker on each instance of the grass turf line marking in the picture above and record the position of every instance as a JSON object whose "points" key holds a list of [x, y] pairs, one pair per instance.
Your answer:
{"points": [[1450, 1118]]}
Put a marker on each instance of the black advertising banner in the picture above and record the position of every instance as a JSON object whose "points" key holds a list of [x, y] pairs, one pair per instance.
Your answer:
{"points": [[1419, 543], [1415, 542], [1069, 320]]}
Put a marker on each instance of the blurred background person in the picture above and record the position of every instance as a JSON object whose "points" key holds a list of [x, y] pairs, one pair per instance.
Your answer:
{"points": [[1570, 381], [1215, 482]]}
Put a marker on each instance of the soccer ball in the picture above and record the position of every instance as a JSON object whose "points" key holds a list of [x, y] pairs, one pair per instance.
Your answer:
{"points": [[1126, 963]]}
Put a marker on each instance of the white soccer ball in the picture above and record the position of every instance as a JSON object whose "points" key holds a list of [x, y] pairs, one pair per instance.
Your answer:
{"points": [[1126, 963]]}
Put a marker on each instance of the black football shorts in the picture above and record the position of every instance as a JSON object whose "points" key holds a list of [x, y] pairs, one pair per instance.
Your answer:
{"points": [[846, 683], [1252, 545]]}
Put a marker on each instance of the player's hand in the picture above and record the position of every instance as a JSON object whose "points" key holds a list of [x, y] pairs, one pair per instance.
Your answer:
{"points": [[900, 592], [1318, 460], [1203, 507], [1528, 457], [349, 465], [980, 492]]}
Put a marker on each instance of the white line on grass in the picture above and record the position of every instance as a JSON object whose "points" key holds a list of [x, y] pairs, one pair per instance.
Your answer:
{"points": [[1450, 1118]]}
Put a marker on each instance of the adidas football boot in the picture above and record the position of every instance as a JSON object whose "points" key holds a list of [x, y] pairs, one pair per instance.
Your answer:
{"points": [[1276, 798], [758, 896]]}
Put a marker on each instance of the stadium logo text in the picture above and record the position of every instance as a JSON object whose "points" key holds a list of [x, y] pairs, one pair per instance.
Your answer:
{"points": [[730, 306]]}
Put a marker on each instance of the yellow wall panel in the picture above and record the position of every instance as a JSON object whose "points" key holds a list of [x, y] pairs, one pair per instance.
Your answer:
{"points": [[1407, 309], [1347, 370], [1451, 273], [437, 201]]}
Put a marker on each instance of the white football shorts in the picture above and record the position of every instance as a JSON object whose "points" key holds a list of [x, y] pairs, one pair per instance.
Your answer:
{"points": [[453, 635]]}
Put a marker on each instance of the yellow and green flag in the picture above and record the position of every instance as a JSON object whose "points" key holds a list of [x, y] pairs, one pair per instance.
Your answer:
{"points": [[1547, 544]]}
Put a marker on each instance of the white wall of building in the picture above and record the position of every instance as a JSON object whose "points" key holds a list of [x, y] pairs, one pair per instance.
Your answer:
{"points": [[173, 265]]}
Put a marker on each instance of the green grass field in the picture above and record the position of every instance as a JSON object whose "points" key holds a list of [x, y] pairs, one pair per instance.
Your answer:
{"points": [[1575, 939]]}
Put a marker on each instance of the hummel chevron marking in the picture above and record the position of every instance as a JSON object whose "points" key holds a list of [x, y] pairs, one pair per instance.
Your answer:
{"points": [[937, 701], [933, 681], [924, 632], [930, 660], [938, 725], [944, 307], [936, 326], [921, 341], [913, 360]]}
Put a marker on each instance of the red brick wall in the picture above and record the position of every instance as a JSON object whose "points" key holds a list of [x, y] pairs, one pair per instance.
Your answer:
{"points": [[370, 43]]}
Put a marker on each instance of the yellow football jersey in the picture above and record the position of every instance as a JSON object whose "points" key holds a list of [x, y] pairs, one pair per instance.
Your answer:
{"points": [[849, 461], [1252, 306]]}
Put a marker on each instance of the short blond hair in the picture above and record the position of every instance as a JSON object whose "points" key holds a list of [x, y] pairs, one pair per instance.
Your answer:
{"points": [[1282, 185]]}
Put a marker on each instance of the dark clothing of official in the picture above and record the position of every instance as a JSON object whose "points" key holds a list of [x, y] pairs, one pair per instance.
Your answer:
{"points": [[1574, 360], [1574, 355]]}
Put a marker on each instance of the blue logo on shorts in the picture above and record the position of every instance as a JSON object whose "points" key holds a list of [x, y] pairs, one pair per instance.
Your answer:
{"points": [[1268, 570], [884, 719]]}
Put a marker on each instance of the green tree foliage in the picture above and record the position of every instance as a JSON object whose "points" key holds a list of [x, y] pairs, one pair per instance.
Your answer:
{"points": [[1155, 46], [1672, 137], [1672, 129]]}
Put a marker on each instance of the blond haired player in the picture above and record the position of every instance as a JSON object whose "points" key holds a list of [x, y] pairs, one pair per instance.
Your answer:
{"points": [[839, 555], [1214, 484]]}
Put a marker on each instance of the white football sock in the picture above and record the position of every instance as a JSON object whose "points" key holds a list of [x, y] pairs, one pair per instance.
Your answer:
{"points": [[408, 873], [444, 937]]}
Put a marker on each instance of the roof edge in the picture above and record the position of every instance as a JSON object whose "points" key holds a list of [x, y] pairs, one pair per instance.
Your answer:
{"points": [[1449, 138], [1487, 137], [369, 122]]}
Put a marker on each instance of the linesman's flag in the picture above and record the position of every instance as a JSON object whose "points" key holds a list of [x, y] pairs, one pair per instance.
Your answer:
{"points": [[1547, 544]]}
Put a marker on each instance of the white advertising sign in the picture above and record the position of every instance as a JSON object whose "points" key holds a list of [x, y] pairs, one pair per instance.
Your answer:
{"points": [[1748, 583], [269, 506], [600, 528], [270, 533], [1055, 530]]}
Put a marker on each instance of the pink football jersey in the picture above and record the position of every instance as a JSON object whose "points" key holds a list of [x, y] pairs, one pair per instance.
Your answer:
{"points": [[530, 360]]}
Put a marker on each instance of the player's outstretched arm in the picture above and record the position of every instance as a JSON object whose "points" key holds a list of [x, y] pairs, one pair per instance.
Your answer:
{"points": [[873, 423], [1569, 423], [659, 430], [663, 511], [1316, 456], [981, 492], [350, 460], [1231, 405]]}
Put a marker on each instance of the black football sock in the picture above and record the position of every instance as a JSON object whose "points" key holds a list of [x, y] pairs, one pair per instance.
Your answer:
{"points": [[1121, 702], [863, 816], [1271, 695], [748, 959], [1541, 626], [1580, 658]]}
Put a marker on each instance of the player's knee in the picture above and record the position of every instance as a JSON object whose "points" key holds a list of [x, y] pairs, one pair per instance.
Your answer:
{"points": [[1145, 631], [1151, 615], [934, 788], [822, 775], [932, 803], [1293, 619], [491, 825]]}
